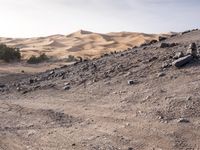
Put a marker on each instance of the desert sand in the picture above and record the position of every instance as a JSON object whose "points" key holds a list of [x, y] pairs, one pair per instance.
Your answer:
{"points": [[81, 43]]}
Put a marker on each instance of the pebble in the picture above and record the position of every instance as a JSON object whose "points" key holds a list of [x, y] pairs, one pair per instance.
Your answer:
{"points": [[66, 87], [183, 120], [161, 74], [131, 82]]}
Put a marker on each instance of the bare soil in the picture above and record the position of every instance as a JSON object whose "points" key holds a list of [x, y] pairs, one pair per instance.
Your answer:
{"points": [[99, 110]]}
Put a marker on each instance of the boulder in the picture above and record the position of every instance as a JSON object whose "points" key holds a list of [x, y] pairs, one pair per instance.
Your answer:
{"points": [[193, 46], [161, 38], [192, 50], [164, 45], [182, 61]]}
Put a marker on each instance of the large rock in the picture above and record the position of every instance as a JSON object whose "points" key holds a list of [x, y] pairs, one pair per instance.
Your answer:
{"points": [[182, 61], [161, 38], [192, 50], [164, 45]]}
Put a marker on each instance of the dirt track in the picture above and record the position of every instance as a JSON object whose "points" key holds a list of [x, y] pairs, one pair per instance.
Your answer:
{"points": [[101, 111]]}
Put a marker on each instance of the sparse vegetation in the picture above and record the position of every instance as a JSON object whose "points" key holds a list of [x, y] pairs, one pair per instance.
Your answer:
{"points": [[35, 60], [71, 58], [9, 54]]}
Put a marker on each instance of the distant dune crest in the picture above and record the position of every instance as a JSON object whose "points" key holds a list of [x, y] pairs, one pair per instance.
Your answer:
{"points": [[81, 43]]}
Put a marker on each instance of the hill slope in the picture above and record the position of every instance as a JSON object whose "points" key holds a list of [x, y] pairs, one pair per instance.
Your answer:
{"points": [[90, 105]]}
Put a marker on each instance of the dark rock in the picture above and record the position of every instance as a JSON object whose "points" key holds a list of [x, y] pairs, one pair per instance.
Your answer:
{"points": [[161, 38], [178, 55], [192, 50], [64, 66], [153, 41], [161, 74], [130, 148], [2, 85], [195, 29], [182, 61], [193, 46], [173, 35], [185, 32], [36, 87], [183, 120], [66, 87], [25, 91], [165, 45], [173, 44], [51, 85], [131, 82], [189, 98], [153, 58], [31, 81], [144, 44]]}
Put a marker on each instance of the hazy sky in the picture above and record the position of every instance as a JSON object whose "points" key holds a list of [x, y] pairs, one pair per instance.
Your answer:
{"points": [[27, 18]]}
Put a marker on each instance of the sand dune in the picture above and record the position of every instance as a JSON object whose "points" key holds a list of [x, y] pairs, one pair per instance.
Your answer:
{"points": [[81, 43]]}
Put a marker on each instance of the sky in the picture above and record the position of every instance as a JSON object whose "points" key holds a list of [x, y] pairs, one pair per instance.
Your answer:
{"points": [[33, 18]]}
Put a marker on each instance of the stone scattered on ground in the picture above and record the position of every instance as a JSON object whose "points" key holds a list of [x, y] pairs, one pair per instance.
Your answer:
{"points": [[161, 38], [182, 61], [131, 82], [161, 74], [2, 85], [67, 87], [192, 50], [108, 113], [178, 55], [167, 45], [183, 120]]}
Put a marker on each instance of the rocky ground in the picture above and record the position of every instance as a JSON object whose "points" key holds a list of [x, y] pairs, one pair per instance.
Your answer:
{"points": [[143, 98]]}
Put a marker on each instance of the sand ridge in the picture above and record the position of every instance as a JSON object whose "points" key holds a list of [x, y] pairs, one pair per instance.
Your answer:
{"points": [[81, 43]]}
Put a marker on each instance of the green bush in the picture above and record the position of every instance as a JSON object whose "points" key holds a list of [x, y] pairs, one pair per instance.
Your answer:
{"points": [[35, 60], [9, 54], [71, 58]]}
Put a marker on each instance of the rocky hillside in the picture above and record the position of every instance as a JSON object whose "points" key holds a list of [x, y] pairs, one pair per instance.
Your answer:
{"points": [[142, 98]]}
